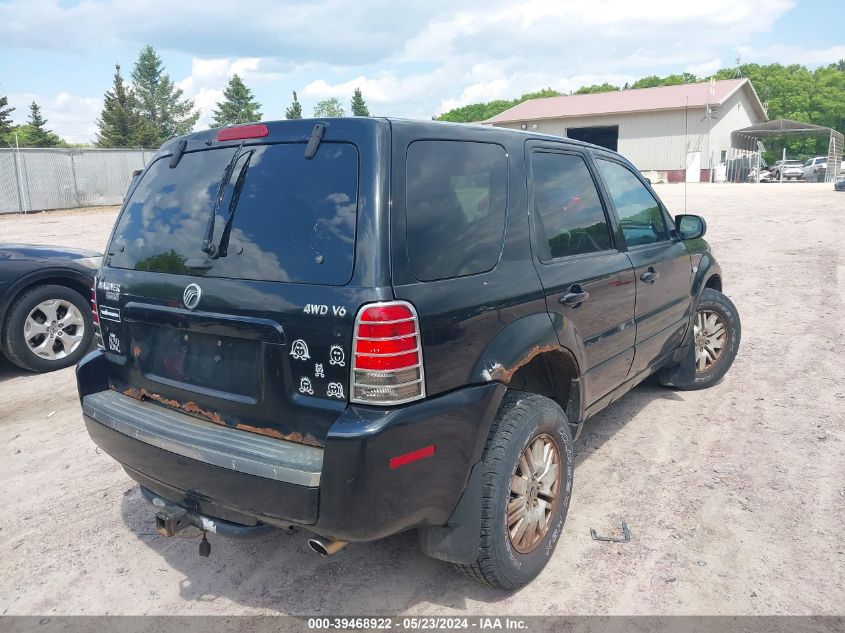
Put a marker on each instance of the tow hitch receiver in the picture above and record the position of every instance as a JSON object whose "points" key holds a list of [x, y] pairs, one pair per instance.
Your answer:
{"points": [[169, 522]]}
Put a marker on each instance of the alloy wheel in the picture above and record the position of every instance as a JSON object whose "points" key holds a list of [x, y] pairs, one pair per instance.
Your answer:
{"points": [[534, 494], [54, 329], [711, 336]]}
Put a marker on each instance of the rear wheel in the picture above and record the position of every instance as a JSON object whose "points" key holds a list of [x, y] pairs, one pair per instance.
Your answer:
{"points": [[48, 327], [527, 483]]}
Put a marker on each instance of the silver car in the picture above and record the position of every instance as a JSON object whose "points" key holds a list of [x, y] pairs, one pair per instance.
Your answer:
{"points": [[815, 169], [788, 170]]}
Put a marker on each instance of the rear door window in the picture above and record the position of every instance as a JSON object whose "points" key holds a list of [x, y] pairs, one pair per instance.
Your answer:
{"points": [[568, 213], [294, 219], [639, 213], [456, 197]]}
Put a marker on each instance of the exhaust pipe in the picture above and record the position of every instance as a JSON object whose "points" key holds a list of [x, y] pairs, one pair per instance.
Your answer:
{"points": [[325, 546]]}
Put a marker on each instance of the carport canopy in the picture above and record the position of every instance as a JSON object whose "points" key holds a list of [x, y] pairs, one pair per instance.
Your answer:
{"points": [[747, 138]]}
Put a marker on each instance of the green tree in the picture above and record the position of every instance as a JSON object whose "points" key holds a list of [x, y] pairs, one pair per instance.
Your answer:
{"points": [[484, 111], [35, 132], [238, 105], [359, 107], [653, 81], [160, 101], [329, 108], [294, 110], [539, 94], [119, 124], [6, 125], [605, 87]]}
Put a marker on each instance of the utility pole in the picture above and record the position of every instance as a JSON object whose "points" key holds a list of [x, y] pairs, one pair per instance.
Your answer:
{"points": [[16, 151]]}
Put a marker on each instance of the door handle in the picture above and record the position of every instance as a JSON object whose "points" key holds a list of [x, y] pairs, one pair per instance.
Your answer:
{"points": [[650, 275], [574, 297]]}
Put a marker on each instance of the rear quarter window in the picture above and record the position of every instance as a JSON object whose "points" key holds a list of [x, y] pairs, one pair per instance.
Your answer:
{"points": [[456, 200]]}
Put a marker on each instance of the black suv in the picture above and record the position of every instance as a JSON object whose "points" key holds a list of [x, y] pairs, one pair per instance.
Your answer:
{"points": [[363, 326]]}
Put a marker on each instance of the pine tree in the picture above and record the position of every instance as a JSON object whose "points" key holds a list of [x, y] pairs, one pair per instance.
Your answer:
{"points": [[359, 108], [35, 133], [6, 125], [119, 122], [294, 111], [160, 102], [145, 134], [238, 105], [329, 108]]}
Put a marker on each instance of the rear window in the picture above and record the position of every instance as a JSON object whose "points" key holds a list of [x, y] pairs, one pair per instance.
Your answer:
{"points": [[456, 195], [294, 219]]}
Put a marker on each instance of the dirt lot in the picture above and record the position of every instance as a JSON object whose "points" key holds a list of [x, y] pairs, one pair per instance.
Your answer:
{"points": [[735, 496]]}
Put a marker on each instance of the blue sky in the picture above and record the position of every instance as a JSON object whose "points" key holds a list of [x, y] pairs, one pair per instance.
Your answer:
{"points": [[414, 59]]}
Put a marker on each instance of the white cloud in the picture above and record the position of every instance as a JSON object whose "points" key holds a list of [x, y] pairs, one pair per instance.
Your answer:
{"points": [[71, 116], [793, 54], [413, 59], [705, 68]]}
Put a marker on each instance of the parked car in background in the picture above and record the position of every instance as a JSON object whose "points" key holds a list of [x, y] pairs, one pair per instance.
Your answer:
{"points": [[45, 311], [787, 170], [765, 175], [815, 169], [840, 185]]}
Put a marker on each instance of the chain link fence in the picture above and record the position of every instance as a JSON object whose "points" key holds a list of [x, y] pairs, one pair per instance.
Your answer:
{"points": [[39, 179]]}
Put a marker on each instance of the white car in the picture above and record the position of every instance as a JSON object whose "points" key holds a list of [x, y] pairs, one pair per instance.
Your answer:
{"points": [[788, 170], [815, 169]]}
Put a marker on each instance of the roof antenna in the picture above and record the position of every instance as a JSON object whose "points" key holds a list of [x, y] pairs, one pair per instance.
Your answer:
{"points": [[686, 143], [738, 73]]}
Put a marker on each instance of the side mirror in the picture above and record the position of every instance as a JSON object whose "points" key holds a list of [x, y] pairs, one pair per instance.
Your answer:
{"points": [[690, 227]]}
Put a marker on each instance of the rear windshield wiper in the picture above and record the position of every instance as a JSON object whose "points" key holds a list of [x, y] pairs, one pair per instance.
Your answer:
{"points": [[223, 248], [208, 245]]}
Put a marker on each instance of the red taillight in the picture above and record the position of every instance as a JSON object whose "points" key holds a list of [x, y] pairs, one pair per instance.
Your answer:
{"points": [[258, 130], [403, 328], [95, 315], [387, 345], [387, 365]]}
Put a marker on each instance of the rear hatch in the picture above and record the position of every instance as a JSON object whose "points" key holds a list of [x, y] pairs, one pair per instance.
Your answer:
{"points": [[245, 320]]}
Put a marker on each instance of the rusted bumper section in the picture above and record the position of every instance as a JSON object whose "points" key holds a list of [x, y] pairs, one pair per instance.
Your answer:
{"points": [[383, 469]]}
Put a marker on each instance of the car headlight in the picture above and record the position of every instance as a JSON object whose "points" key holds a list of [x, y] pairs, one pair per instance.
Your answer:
{"points": [[90, 262]]}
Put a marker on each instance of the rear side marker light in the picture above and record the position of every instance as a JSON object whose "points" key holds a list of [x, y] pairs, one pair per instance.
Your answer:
{"points": [[243, 131], [413, 456], [387, 363]]}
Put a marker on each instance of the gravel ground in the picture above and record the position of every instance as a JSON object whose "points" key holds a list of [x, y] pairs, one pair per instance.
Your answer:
{"points": [[735, 496]]}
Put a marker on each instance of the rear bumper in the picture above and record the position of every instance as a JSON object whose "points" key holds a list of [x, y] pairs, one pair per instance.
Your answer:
{"points": [[353, 495]]}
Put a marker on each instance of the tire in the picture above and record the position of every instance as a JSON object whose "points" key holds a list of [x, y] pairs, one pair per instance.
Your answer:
{"points": [[69, 343], [523, 420], [715, 302]]}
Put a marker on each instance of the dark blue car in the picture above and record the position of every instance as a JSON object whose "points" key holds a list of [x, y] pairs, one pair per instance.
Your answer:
{"points": [[45, 311]]}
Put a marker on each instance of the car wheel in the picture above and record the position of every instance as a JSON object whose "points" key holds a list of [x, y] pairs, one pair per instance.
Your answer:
{"points": [[526, 487], [47, 327], [717, 331]]}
